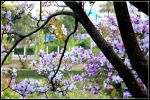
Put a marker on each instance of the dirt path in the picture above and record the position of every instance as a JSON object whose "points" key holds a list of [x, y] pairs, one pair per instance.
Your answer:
{"points": [[18, 65]]}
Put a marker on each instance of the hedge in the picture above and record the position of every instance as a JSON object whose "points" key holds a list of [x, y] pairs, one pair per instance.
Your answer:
{"points": [[30, 51]]}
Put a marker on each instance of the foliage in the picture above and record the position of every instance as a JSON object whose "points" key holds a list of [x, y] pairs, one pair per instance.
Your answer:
{"points": [[96, 51], [85, 43], [68, 23]]}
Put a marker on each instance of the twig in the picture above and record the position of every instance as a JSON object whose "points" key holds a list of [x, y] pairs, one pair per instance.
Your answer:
{"points": [[51, 16], [2, 2], [76, 25]]}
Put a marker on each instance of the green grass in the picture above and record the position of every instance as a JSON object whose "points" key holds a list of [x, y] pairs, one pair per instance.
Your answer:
{"points": [[77, 94]]}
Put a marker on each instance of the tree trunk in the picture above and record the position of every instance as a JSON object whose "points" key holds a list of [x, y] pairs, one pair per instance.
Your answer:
{"points": [[107, 50], [137, 59]]}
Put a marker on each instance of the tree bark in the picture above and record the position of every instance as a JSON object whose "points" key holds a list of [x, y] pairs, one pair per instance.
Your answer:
{"points": [[137, 59], [107, 50]]}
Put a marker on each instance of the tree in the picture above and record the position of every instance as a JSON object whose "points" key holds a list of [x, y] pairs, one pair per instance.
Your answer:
{"points": [[107, 7], [138, 61], [123, 70]]}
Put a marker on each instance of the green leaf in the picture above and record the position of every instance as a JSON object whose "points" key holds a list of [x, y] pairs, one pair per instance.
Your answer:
{"points": [[4, 9], [113, 92], [4, 21], [123, 85], [64, 37]]}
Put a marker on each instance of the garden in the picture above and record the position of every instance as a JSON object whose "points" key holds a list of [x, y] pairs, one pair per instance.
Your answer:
{"points": [[91, 57]]}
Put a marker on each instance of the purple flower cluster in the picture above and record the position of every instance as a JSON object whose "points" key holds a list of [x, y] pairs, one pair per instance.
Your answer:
{"points": [[110, 87], [78, 78], [111, 20], [27, 87], [41, 53], [5, 27], [126, 94], [93, 66]]}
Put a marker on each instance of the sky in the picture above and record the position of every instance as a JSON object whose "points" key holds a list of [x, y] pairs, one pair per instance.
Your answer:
{"points": [[87, 7], [95, 7]]}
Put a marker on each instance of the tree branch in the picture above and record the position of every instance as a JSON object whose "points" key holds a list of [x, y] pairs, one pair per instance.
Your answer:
{"points": [[51, 16], [123, 71], [76, 25], [137, 59], [2, 2]]}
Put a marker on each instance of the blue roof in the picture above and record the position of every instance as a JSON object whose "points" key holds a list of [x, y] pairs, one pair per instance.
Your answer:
{"points": [[93, 13], [52, 37]]}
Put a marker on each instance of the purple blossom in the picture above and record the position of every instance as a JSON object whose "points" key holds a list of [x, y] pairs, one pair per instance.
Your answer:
{"points": [[40, 70], [72, 87], [65, 68], [110, 66], [46, 3], [6, 27], [118, 79], [86, 79], [66, 83], [136, 19], [109, 73], [77, 78], [24, 4], [13, 79], [84, 88], [50, 75], [33, 63], [8, 14], [45, 61], [113, 29], [19, 11], [139, 80], [127, 62], [83, 74], [109, 87], [108, 80], [95, 90], [145, 28], [111, 20], [41, 53], [90, 87], [74, 60], [126, 94], [113, 77]]}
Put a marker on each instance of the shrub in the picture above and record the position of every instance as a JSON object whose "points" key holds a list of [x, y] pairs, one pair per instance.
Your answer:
{"points": [[85, 43]]}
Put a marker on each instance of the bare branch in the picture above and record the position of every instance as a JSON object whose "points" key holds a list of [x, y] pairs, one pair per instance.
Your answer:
{"points": [[2, 2], [51, 16], [76, 25]]}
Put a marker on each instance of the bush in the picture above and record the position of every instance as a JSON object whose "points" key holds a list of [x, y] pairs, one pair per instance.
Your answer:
{"points": [[58, 42], [25, 65], [71, 43], [85, 43], [8, 59], [54, 48], [29, 51]]}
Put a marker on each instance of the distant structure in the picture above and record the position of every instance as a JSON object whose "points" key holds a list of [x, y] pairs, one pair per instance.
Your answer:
{"points": [[93, 13], [52, 37]]}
